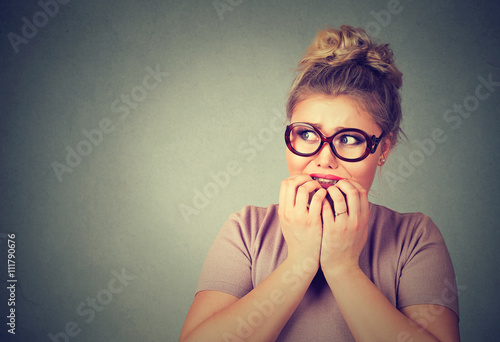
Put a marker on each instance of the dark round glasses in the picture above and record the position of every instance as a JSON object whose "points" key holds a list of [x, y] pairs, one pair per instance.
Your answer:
{"points": [[348, 144]]}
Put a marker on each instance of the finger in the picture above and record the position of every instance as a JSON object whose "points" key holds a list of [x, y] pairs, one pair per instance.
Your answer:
{"points": [[352, 196], [288, 190], [305, 192], [283, 201], [327, 214], [339, 203], [317, 202], [363, 197]]}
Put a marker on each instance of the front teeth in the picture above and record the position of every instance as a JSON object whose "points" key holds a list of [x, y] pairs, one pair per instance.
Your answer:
{"points": [[326, 181]]}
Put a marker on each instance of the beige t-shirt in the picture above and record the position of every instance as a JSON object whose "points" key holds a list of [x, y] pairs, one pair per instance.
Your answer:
{"points": [[405, 257]]}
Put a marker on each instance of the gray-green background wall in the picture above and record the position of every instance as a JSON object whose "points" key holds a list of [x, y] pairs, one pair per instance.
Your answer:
{"points": [[115, 183]]}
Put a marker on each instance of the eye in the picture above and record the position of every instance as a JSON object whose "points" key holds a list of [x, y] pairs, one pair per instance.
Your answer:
{"points": [[351, 139], [308, 135]]}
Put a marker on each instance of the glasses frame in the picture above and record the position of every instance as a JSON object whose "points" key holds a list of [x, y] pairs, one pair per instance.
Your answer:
{"points": [[371, 142]]}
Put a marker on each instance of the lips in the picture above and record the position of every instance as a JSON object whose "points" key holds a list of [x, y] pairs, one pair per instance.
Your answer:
{"points": [[325, 180]]}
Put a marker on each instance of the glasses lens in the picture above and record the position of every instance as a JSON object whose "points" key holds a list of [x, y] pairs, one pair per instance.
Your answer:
{"points": [[304, 139], [350, 144]]}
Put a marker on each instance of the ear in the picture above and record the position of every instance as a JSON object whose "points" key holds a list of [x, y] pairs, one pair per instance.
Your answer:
{"points": [[385, 148]]}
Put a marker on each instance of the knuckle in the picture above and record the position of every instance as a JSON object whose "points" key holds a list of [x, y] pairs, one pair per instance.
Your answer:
{"points": [[352, 192], [284, 218], [317, 198], [306, 185], [337, 197], [303, 189]]}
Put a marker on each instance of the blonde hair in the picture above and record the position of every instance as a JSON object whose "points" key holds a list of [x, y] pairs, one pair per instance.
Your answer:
{"points": [[346, 61]]}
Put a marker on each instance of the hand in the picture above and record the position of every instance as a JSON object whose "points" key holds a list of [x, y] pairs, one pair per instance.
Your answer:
{"points": [[300, 221], [344, 235]]}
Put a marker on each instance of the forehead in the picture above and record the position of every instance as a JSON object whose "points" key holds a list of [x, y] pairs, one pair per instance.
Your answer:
{"points": [[330, 114]]}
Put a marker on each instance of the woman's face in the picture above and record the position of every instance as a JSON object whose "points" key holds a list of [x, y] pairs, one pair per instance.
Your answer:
{"points": [[331, 114]]}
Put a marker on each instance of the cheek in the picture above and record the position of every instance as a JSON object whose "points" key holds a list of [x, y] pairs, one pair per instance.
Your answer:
{"points": [[364, 173]]}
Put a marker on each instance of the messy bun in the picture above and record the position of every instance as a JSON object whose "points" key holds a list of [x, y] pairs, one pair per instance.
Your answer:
{"points": [[345, 61]]}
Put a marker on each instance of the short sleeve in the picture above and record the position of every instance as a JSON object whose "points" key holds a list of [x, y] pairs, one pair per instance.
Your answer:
{"points": [[427, 275], [228, 265]]}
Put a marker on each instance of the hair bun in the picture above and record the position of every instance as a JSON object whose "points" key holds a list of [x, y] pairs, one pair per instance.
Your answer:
{"points": [[347, 62], [349, 45]]}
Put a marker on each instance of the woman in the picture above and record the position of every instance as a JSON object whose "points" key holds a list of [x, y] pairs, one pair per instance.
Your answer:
{"points": [[325, 264]]}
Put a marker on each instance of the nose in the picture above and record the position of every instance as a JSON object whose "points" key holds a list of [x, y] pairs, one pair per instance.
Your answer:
{"points": [[325, 158]]}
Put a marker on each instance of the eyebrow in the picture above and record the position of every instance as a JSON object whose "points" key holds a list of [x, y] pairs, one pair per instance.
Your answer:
{"points": [[320, 127]]}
